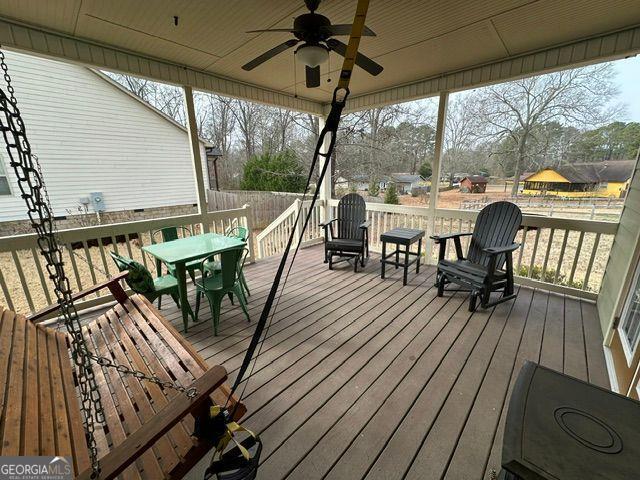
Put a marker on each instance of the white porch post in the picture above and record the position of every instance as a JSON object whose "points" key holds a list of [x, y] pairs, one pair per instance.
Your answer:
{"points": [[325, 186], [194, 142], [435, 171]]}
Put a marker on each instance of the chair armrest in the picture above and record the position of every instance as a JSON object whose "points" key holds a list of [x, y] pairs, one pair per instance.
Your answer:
{"points": [[447, 236], [120, 457], [328, 223], [113, 284], [365, 224], [499, 250]]}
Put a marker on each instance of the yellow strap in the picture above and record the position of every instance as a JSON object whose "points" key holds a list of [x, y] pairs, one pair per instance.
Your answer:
{"points": [[232, 428], [354, 42]]}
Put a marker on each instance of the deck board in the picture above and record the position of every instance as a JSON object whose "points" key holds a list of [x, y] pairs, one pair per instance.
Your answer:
{"points": [[366, 378]]}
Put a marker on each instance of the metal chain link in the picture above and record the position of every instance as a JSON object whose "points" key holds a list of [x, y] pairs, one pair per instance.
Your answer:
{"points": [[33, 190]]}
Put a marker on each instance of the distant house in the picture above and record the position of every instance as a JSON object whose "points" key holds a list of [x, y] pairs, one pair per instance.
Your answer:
{"points": [[603, 179], [404, 182], [95, 139], [473, 184]]}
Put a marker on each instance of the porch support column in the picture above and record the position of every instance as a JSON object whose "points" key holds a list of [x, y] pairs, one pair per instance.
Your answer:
{"points": [[435, 171], [325, 186], [194, 142]]}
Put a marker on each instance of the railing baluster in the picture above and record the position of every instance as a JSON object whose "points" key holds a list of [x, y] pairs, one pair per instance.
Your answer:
{"points": [[5, 292], [89, 260], [522, 245], [103, 256], [576, 257], [535, 251], [561, 256], [114, 244], [43, 281], [587, 275], [547, 253], [23, 280], [74, 265]]}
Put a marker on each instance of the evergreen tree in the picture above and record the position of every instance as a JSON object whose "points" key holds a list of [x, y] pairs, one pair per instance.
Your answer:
{"points": [[391, 195]]}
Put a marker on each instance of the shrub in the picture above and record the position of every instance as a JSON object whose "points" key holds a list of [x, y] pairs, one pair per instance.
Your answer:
{"points": [[391, 195], [374, 188], [548, 277], [273, 172]]}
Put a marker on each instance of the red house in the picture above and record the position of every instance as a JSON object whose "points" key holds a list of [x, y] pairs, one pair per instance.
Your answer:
{"points": [[473, 184]]}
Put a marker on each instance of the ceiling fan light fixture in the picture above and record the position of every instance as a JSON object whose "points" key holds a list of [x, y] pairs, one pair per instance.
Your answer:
{"points": [[312, 55]]}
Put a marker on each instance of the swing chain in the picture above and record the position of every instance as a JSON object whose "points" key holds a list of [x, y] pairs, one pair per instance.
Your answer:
{"points": [[33, 190]]}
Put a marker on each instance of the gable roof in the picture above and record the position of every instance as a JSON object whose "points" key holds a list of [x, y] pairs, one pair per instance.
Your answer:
{"points": [[615, 171], [475, 179]]}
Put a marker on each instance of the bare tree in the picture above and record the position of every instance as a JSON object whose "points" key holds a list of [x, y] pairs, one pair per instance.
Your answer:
{"points": [[514, 109]]}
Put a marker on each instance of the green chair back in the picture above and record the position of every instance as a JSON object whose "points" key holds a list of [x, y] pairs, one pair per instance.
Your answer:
{"points": [[170, 233], [231, 266], [241, 233], [139, 278]]}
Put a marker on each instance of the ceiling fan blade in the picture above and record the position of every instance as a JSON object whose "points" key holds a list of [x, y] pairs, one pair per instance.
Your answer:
{"points": [[270, 54], [313, 76], [290, 30], [345, 29], [362, 61]]}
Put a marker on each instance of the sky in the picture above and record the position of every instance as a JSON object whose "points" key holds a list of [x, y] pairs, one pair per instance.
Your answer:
{"points": [[628, 80]]}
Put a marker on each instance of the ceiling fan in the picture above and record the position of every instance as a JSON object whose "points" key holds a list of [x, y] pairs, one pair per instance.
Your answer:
{"points": [[315, 31]]}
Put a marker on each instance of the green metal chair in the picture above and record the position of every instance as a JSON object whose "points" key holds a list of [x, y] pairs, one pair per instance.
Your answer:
{"points": [[169, 234], [141, 281], [241, 233], [216, 284]]}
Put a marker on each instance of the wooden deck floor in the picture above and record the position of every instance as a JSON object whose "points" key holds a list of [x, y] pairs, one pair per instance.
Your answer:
{"points": [[363, 378]]}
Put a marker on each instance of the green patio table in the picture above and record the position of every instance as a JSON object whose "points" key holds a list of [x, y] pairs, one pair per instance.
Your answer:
{"points": [[177, 253]]}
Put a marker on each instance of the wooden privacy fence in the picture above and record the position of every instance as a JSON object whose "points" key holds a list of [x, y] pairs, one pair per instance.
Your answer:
{"points": [[23, 283], [266, 206]]}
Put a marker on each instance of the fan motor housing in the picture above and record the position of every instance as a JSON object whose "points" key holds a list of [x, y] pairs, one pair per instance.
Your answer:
{"points": [[308, 27]]}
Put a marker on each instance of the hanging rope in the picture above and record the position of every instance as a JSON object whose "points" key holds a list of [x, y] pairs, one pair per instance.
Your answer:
{"points": [[238, 458]]}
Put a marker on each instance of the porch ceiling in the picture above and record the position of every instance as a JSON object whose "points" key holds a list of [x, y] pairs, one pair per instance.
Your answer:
{"points": [[425, 46]]}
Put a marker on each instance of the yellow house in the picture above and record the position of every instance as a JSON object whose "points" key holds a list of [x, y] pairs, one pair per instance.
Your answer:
{"points": [[602, 179]]}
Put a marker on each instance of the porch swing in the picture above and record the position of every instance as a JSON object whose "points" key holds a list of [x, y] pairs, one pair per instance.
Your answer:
{"points": [[125, 394]]}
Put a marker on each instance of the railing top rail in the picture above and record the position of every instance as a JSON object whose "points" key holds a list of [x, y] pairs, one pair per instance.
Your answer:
{"points": [[17, 242]]}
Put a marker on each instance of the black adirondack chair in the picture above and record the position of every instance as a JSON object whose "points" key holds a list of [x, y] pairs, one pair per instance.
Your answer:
{"points": [[350, 239], [488, 266]]}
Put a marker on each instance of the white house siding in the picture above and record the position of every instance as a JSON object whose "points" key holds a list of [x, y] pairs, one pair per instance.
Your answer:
{"points": [[91, 136], [623, 258]]}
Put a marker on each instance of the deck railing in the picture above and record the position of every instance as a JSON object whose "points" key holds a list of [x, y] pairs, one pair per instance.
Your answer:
{"points": [[273, 239], [558, 254], [23, 283]]}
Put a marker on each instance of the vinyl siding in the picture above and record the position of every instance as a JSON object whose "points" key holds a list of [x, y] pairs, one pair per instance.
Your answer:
{"points": [[91, 136], [623, 258]]}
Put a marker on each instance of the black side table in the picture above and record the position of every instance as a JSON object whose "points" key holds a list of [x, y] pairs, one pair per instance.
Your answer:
{"points": [[405, 237]]}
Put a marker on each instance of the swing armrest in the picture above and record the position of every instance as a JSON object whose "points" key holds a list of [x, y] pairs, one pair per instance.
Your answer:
{"points": [[113, 284], [365, 224], [123, 455]]}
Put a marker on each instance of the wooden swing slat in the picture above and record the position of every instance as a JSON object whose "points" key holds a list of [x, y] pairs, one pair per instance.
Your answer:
{"points": [[125, 405], [148, 429], [117, 433], [127, 331], [78, 441], [13, 420], [124, 351]]}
